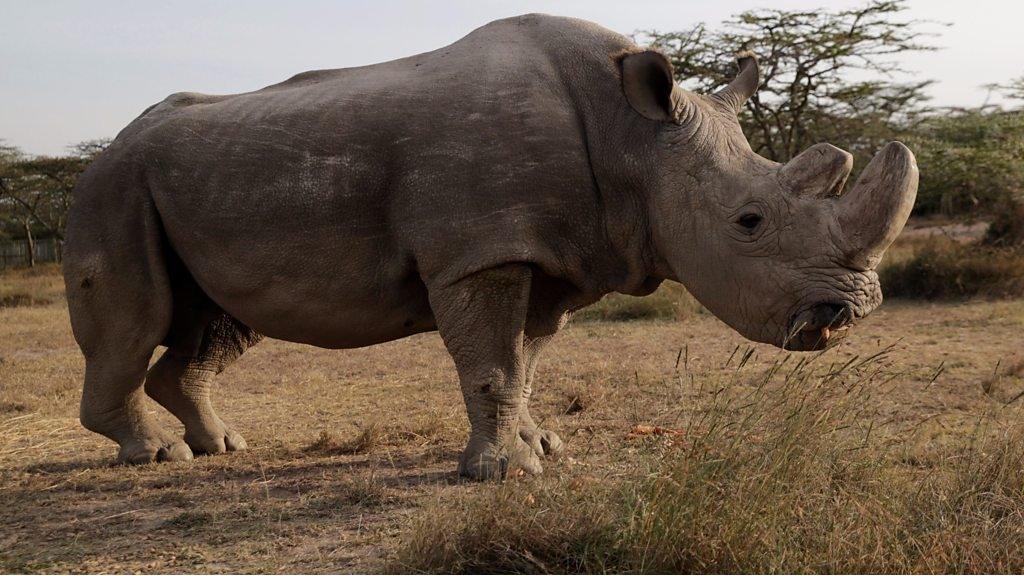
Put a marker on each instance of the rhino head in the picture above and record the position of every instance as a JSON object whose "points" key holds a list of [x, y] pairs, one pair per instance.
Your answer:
{"points": [[777, 251]]}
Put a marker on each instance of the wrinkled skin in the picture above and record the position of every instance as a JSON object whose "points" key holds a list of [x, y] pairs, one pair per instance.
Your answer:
{"points": [[485, 190]]}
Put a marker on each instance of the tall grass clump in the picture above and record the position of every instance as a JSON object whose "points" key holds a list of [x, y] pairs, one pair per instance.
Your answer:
{"points": [[778, 471], [778, 475]]}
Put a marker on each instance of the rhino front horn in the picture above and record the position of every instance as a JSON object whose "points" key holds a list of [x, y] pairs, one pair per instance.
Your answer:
{"points": [[873, 213]]}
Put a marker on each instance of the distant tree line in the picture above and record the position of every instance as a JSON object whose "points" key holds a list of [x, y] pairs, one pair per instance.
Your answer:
{"points": [[36, 191]]}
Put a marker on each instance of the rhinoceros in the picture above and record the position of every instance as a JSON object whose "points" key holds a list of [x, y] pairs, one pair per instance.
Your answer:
{"points": [[485, 190]]}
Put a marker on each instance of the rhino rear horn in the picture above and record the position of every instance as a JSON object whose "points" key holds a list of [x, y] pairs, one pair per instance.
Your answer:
{"points": [[743, 86]]}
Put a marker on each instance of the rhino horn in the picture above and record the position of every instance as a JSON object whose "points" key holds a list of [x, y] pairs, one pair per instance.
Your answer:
{"points": [[873, 213], [743, 85]]}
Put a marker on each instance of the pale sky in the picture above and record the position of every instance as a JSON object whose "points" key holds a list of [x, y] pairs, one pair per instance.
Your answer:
{"points": [[77, 70]]}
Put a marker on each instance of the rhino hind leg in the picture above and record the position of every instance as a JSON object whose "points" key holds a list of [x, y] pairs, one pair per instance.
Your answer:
{"points": [[119, 299], [112, 405], [181, 382], [481, 319]]}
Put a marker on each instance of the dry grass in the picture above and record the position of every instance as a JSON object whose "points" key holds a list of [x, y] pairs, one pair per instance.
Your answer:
{"points": [[1005, 383], [37, 286], [777, 471], [393, 424], [421, 430]]}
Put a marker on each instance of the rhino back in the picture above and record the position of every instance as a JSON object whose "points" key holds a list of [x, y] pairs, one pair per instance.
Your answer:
{"points": [[341, 191]]}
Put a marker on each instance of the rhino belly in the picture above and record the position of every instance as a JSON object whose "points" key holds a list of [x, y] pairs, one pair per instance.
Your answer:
{"points": [[347, 297]]}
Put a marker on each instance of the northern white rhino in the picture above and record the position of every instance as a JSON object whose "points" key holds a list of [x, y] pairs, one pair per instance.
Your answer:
{"points": [[485, 190]]}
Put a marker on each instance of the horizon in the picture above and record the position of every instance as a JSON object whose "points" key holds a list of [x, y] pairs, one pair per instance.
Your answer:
{"points": [[80, 71]]}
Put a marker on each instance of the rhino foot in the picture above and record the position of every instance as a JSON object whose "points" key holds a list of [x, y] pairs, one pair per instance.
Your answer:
{"points": [[216, 440], [486, 465], [542, 442], [147, 450]]}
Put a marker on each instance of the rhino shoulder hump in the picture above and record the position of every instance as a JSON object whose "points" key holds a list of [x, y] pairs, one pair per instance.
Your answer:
{"points": [[308, 77], [565, 28], [181, 99]]}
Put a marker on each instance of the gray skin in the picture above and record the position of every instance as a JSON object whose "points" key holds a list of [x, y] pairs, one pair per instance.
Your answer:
{"points": [[485, 190]]}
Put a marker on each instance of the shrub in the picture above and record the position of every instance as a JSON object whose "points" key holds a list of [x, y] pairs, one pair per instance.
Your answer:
{"points": [[669, 302], [1007, 226], [945, 269]]}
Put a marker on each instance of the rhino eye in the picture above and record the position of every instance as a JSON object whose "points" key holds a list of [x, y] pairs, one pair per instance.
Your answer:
{"points": [[749, 221]]}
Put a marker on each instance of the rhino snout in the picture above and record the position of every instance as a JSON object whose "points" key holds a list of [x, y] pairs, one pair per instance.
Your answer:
{"points": [[811, 328]]}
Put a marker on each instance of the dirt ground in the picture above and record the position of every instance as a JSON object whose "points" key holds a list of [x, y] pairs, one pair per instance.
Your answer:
{"points": [[346, 447]]}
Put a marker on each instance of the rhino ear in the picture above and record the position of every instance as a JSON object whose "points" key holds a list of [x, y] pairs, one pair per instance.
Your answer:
{"points": [[648, 85]]}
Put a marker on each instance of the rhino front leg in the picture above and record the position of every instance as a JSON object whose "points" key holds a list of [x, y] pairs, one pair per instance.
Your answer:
{"points": [[542, 442], [481, 319]]}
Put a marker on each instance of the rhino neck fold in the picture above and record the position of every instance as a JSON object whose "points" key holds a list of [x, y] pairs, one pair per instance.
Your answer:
{"points": [[620, 154]]}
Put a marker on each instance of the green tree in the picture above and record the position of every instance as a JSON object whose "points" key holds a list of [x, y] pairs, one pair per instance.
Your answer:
{"points": [[10, 156], [971, 160], [825, 75]]}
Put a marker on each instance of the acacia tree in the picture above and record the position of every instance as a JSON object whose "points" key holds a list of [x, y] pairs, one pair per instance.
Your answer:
{"points": [[825, 75], [1014, 90]]}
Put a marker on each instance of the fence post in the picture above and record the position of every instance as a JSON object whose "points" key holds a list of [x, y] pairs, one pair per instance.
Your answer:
{"points": [[30, 245]]}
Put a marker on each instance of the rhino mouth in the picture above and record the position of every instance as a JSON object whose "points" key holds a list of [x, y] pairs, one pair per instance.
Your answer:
{"points": [[814, 327]]}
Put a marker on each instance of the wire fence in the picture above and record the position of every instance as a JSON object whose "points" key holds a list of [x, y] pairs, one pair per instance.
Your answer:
{"points": [[14, 253]]}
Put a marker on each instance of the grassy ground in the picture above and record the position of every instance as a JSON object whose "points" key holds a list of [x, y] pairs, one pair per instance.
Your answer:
{"points": [[352, 454]]}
